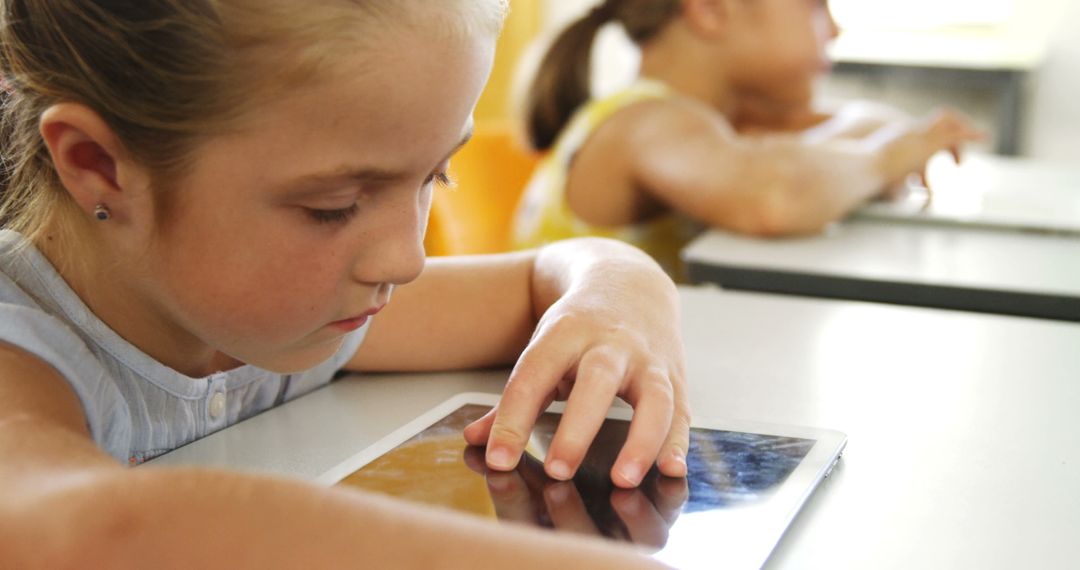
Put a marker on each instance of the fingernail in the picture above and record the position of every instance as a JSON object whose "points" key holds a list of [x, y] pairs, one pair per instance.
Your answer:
{"points": [[559, 470], [632, 474], [500, 458], [680, 460]]}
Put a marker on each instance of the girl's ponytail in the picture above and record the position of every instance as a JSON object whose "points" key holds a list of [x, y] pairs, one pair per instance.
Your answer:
{"points": [[562, 81], [561, 84]]}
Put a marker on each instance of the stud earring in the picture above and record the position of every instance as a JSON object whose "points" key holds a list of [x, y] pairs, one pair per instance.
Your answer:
{"points": [[102, 212]]}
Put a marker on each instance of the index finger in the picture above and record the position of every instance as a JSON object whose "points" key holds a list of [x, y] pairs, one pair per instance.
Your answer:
{"points": [[529, 388]]}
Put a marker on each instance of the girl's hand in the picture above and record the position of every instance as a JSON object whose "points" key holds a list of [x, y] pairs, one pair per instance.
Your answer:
{"points": [[608, 326], [905, 148]]}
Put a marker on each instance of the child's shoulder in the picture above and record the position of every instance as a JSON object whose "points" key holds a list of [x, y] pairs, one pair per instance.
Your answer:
{"points": [[28, 324], [656, 120]]}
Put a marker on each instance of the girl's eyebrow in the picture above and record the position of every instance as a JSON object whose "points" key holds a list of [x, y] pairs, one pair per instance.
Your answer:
{"points": [[316, 183]]}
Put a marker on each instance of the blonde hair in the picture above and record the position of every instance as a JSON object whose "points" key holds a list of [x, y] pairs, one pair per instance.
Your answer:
{"points": [[165, 75]]}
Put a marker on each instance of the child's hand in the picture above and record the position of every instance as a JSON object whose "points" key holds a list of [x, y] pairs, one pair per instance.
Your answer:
{"points": [[905, 148], [610, 329]]}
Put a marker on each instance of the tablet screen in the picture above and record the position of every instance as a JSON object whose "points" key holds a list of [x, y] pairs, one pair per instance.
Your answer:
{"points": [[733, 478]]}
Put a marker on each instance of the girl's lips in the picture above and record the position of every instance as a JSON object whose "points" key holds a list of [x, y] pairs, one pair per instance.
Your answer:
{"points": [[356, 322], [349, 325]]}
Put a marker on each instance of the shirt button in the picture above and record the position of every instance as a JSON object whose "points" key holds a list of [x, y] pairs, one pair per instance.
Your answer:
{"points": [[217, 405]]}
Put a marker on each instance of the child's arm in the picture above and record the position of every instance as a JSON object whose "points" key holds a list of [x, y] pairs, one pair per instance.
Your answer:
{"points": [[591, 320], [684, 156], [64, 504], [854, 120]]}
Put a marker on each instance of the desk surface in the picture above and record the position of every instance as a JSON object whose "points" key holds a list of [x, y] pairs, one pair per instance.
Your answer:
{"points": [[993, 192], [964, 446], [893, 262]]}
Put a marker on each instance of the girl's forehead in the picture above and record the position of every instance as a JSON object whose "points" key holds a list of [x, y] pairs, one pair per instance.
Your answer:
{"points": [[400, 107], [277, 41], [268, 22]]}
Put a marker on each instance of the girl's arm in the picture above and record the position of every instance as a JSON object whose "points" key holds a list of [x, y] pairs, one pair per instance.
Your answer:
{"points": [[683, 155], [64, 504], [461, 313], [586, 320], [854, 120]]}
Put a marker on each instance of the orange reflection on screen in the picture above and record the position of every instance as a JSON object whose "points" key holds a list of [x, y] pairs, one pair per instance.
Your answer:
{"points": [[429, 471]]}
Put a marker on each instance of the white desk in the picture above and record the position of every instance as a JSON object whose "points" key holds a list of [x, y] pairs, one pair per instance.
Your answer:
{"points": [[964, 444], [991, 192], [959, 268]]}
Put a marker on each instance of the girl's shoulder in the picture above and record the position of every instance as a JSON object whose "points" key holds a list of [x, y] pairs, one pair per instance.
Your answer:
{"points": [[37, 330], [655, 115], [638, 112], [645, 92]]}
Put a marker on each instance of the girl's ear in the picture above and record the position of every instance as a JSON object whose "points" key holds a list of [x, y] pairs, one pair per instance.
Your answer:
{"points": [[708, 18], [90, 160]]}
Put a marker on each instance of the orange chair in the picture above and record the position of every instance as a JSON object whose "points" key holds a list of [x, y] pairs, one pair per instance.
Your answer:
{"points": [[476, 216]]}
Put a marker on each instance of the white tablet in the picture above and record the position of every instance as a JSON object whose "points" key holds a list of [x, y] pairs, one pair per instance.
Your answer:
{"points": [[746, 483]]}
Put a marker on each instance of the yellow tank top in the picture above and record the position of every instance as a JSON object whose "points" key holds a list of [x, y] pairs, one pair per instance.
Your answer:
{"points": [[543, 215]]}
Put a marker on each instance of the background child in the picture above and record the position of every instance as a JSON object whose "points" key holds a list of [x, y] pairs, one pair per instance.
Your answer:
{"points": [[204, 204], [654, 162]]}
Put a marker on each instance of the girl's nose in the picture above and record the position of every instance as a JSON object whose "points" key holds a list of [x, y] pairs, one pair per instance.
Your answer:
{"points": [[396, 254]]}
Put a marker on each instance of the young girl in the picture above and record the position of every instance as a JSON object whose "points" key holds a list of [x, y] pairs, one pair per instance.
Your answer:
{"points": [[204, 206], [653, 163]]}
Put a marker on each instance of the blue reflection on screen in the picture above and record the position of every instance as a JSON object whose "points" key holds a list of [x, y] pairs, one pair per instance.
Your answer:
{"points": [[728, 468]]}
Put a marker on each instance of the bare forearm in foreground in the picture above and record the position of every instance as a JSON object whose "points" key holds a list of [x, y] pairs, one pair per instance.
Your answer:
{"points": [[197, 518]]}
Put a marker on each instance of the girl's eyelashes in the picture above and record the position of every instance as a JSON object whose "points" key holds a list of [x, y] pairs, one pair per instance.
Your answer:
{"points": [[333, 216], [342, 215], [441, 179]]}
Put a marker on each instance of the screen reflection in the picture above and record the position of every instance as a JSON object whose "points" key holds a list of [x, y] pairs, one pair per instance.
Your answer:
{"points": [[728, 472]]}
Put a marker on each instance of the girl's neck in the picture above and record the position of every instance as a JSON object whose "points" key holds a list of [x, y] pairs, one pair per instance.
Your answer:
{"points": [[690, 70], [114, 292], [755, 116]]}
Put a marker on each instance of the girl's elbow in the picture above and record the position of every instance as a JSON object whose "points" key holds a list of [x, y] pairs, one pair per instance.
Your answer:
{"points": [[70, 527], [770, 215], [791, 223], [772, 221]]}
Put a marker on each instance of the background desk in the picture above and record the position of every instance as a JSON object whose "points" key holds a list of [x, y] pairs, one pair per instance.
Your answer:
{"points": [[991, 191], [986, 58], [947, 267], [964, 447]]}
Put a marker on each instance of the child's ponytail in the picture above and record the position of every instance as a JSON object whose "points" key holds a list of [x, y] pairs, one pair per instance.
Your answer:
{"points": [[561, 84]]}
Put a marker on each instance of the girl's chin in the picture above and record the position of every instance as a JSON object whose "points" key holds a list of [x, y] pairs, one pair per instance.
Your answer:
{"points": [[297, 360]]}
